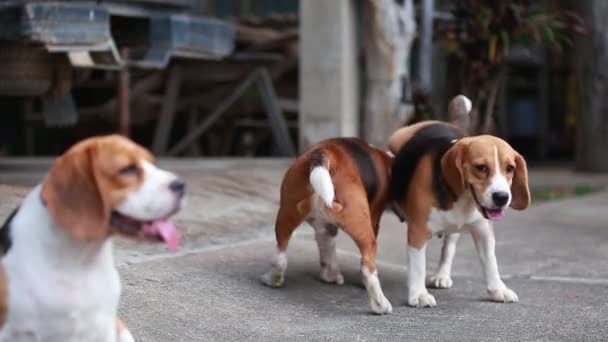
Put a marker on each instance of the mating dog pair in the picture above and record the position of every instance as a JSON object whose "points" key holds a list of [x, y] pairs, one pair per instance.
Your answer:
{"points": [[439, 181]]}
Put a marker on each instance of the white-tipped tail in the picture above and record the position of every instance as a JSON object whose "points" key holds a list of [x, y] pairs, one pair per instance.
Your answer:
{"points": [[320, 180], [467, 104], [459, 112], [460, 105]]}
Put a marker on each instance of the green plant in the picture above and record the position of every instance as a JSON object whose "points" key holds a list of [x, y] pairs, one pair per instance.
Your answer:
{"points": [[481, 33], [540, 195]]}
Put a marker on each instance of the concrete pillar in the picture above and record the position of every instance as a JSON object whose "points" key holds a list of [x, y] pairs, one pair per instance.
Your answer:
{"points": [[329, 86]]}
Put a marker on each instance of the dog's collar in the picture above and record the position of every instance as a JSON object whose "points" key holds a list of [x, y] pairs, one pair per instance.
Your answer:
{"points": [[447, 187], [441, 179]]}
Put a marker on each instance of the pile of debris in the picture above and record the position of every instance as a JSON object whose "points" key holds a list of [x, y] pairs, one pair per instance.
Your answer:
{"points": [[273, 42], [270, 43], [224, 107]]}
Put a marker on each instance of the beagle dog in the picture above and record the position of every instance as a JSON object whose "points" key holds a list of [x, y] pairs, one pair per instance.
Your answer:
{"points": [[58, 281], [338, 184], [444, 184]]}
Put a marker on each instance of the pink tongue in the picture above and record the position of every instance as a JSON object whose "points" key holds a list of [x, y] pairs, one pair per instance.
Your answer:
{"points": [[167, 230], [495, 215]]}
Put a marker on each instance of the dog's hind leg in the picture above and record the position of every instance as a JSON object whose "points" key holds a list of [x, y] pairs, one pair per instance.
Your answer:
{"points": [[325, 234], [288, 219], [357, 224]]}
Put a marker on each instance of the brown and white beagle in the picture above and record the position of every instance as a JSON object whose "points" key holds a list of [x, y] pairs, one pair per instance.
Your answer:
{"points": [[338, 184], [444, 184], [58, 280]]}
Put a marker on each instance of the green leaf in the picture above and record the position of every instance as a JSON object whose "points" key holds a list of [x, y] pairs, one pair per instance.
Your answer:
{"points": [[565, 40], [535, 33], [548, 34], [557, 25], [504, 37], [574, 16]]}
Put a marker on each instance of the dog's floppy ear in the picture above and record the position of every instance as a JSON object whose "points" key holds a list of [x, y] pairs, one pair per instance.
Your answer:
{"points": [[451, 166], [73, 197], [519, 189]]}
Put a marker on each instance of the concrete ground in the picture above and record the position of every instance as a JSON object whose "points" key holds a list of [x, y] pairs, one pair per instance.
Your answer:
{"points": [[553, 255]]}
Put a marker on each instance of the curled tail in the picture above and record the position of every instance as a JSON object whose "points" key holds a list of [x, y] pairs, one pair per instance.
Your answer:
{"points": [[320, 179], [459, 113]]}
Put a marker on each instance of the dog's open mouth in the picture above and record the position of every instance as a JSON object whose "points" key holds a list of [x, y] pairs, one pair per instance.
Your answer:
{"points": [[161, 230], [496, 214], [492, 214]]}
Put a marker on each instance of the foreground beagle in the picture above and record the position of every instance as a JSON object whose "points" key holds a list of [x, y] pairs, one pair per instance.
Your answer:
{"points": [[58, 281], [445, 184], [337, 184]]}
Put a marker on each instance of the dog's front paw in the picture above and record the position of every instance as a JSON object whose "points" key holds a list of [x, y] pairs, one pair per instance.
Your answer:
{"points": [[331, 275], [504, 295], [439, 281], [273, 278], [422, 300], [381, 305]]}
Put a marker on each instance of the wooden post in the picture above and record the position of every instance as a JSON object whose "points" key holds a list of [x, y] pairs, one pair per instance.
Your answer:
{"points": [[30, 139], [329, 101], [168, 112], [390, 29], [124, 97], [260, 77], [592, 83], [425, 53]]}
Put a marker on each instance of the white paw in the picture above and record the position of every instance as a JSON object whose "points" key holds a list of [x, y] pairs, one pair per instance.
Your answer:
{"points": [[504, 295], [331, 275], [273, 278], [439, 281], [125, 336], [380, 306], [423, 300]]}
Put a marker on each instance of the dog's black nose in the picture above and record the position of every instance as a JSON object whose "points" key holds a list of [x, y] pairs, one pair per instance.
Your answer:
{"points": [[500, 198], [178, 187]]}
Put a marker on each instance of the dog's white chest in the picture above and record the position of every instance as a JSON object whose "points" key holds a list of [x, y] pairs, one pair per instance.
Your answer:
{"points": [[57, 308], [58, 290], [463, 213]]}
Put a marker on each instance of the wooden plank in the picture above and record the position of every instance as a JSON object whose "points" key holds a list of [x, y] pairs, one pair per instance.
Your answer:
{"points": [[280, 132], [139, 89], [289, 105], [124, 97], [30, 138], [194, 149], [172, 3], [256, 123], [167, 115], [221, 108]]}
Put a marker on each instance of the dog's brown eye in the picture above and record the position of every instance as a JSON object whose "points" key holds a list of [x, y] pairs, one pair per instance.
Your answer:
{"points": [[481, 168], [510, 168], [129, 170]]}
